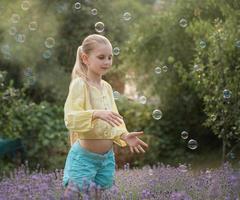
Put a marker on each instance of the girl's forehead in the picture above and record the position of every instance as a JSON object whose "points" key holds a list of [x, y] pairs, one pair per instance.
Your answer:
{"points": [[102, 48]]}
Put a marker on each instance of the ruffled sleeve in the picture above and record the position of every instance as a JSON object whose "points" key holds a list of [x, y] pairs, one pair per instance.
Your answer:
{"points": [[118, 131], [76, 117]]}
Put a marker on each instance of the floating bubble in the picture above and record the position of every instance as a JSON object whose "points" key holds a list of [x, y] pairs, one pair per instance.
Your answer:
{"points": [[142, 99], [196, 68], [15, 18], [127, 16], [158, 70], [77, 5], [231, 156], [213, 118], [5, 49], [157, 114], [202, 44], [116, 51], [226, 94], [150, 172], [99, 27], [183, 23], [208, 174], [237, 44], [183, 168], [94, 11], [20, 38], [192, 144], [184, 135], [116, 95], [25, 5], [126, 166], [62, 7], [12, 30], [29, 78], [47, 54], [165, 68], [50, 42], [33, 26]]}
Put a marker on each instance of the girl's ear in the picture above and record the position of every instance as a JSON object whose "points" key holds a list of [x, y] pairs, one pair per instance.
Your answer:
{"points": [[84, 58]]}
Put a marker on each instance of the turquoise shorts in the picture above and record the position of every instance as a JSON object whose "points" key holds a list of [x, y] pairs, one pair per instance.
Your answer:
{"points": [[84, 167]]}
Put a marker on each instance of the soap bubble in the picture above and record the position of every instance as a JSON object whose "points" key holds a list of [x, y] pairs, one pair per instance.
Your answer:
{"points": [[94, 11], [164, 68], [192, 144], [237, 44], [196, 68], [150, 172], [12, 30], [158, 70], [25, 5], [202, 44], [183, 168], [231, 156], [77, 5], [33, 26], [116, 51], [213, 117], [184, 135], [116, 95], [127, 16], [99, 27], [183, 23], [226, 94], [49, 42], [20, 38], [47, 54], [15, 18], [157, 114], [142, 99]]}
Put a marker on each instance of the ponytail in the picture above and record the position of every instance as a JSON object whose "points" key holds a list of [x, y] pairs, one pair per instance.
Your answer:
{"points": [[79, 69]]}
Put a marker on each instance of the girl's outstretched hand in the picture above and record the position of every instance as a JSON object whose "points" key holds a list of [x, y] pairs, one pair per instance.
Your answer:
{"points": [[134, 143]]}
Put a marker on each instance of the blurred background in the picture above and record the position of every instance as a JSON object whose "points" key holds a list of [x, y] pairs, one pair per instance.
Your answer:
{"points": [[175, 75]]}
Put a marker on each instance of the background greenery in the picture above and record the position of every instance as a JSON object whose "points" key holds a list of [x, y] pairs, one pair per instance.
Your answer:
{"points": [[202, 60]]}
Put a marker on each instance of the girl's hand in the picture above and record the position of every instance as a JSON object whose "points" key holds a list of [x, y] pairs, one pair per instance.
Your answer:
{"points": [[135, 144], [110, 117]]}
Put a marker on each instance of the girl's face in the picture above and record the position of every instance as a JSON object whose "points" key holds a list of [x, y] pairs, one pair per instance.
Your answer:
{"points": [[99, 60]]}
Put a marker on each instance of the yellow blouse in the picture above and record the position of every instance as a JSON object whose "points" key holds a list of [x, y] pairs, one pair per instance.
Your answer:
{"points": [[82, 101]]}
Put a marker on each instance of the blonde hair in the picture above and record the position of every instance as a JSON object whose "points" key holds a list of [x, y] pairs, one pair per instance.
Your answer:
{"points": [[88, 44]]}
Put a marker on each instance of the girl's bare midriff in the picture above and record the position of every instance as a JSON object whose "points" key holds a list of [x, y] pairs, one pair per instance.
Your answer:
{"points": [[100, 146]]}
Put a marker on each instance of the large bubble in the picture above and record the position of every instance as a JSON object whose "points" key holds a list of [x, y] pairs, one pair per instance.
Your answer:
{"points": [[99, 27], [127, 16], [116, 51], [184, 135], [158, 70], [50, 42], [157, 114], [226, 94], [116, 95], [94, 11], [183, 23], [192, 144], [25, 5]]}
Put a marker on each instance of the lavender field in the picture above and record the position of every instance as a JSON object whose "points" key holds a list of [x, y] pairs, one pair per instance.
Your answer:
{"points": [[156, 182]]}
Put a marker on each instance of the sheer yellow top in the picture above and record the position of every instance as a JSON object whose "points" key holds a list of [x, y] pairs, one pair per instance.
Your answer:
{"points": [[81, 102]]}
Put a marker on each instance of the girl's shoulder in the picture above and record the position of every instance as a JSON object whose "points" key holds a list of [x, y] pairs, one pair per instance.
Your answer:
{"points": [[106, 84], [77, 82]]}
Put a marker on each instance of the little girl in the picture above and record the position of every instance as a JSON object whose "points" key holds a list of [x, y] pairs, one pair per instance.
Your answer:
{"points": [[91, 116]]}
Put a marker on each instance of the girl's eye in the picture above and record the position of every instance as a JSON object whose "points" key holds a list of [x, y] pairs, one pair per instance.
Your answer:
{"points": [[101, 57]]}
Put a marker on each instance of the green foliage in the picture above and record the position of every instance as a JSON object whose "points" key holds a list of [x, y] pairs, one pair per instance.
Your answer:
{"points": [[190, 99], [40, 126]]}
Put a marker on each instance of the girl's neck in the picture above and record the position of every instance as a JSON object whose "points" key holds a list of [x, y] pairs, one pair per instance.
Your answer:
{"points": [[94, 78]]}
